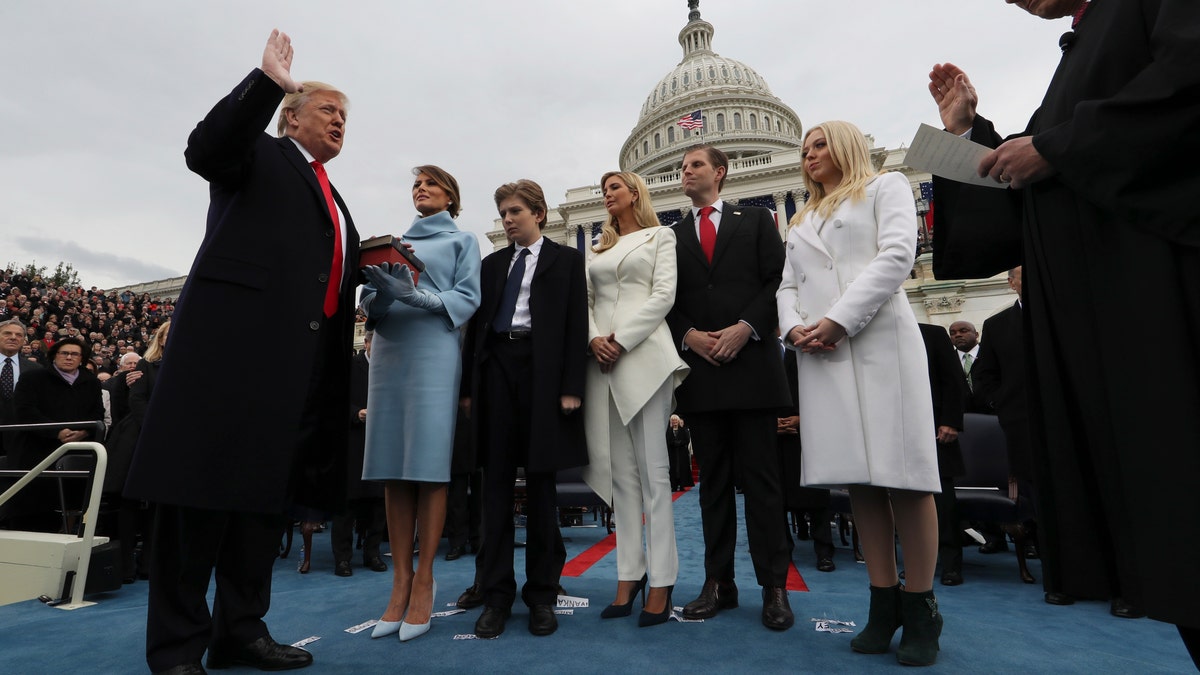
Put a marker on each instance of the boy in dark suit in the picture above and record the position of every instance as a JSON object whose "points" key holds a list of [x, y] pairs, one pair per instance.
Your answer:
{"points": [[523, 373]]}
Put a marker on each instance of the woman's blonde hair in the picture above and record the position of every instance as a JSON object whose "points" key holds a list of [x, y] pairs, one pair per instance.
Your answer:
{"points": [[848, 149], [155, 351], [643, 209]]}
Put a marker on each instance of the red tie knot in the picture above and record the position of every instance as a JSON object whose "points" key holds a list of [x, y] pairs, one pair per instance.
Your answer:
{"points": [[705, 211]]}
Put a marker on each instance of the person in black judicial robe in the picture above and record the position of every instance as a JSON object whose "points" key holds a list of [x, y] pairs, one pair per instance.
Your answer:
{"points": [[223, 452], [726, 308], [364, 499], [802, 500], [1111, 239], [522, 391], [948, 386]]}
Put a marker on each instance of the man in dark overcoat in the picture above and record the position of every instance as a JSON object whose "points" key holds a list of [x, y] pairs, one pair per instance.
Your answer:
{"points": [[524, 371], [949, 390], [1106, 199], [364, 498], [224, 451], [999, 377]]}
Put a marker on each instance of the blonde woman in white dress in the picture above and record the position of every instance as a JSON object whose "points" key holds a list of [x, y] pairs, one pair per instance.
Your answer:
{"points": [[631, 280], [866, 416]]}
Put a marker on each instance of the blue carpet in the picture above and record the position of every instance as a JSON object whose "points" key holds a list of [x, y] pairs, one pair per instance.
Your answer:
{"points": [[994, 624]]}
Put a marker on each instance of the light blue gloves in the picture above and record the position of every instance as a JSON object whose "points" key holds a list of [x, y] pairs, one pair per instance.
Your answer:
{"points": [[394, 281]]}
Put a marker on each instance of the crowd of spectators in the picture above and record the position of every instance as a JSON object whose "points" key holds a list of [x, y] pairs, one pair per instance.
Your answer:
{"points": [[113, 323]]}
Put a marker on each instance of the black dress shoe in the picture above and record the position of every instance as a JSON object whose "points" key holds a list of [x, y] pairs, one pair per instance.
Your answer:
{"points": [[342, 568], [193, 668], [776, 611], [471, 598], [542, 620], [994, 546], [1125, 610], [1056, 598], [490, 624], [264, 654], [826, 565], [455, 553], [715, 596], [952, 578], [375, 564], [1031, 551]]}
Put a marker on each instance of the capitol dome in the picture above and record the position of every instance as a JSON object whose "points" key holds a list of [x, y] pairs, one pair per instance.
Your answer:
{"points": [[740, 114]]}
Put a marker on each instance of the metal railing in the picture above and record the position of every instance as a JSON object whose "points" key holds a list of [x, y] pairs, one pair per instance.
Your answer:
{"points": [[93, 506]]}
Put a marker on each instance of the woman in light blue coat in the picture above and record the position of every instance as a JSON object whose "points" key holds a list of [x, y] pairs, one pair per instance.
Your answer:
{"points": [[413, 389]]}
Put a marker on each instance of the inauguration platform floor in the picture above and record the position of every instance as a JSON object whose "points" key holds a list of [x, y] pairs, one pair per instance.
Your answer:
{"points": [[993, 622]]}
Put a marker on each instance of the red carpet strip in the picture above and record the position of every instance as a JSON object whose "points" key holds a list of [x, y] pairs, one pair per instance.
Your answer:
{"points": [[795, 582], [581, 563]]}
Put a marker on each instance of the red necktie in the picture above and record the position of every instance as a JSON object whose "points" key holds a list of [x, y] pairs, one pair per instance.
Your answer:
{"points": [[1078, 16], [708, 233], [335, 272]]}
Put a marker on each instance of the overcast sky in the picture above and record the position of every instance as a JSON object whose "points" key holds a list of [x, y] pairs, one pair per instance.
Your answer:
{"points": [[99, 98]]}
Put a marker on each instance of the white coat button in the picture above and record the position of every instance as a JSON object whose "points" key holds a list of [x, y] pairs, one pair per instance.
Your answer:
{"points": [[802, 277], [803, 315], [828, 264]]}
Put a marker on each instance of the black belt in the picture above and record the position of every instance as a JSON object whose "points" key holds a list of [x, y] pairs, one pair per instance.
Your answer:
{"points": [[514, 334]]}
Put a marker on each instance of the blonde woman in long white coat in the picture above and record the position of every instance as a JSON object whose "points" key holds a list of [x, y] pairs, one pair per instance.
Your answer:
{"points": [[866, 416], [631, 282]]}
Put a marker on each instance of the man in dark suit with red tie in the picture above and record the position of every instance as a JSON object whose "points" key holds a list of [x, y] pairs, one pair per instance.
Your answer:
{"points": [[224, 452], [730, 264]]}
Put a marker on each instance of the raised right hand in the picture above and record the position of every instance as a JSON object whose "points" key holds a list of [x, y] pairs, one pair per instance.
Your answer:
{"points": [[955, 97], [277, 61]]}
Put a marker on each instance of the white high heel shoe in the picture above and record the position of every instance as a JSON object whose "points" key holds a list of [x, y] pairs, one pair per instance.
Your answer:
{"points": [[385, 628], [409, 631]]}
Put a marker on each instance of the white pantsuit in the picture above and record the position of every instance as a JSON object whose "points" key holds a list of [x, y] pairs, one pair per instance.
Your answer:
{"points": [[866, 415], [631, 287], [641, 476]]}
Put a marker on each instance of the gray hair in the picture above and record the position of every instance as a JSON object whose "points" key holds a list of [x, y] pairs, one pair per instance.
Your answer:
{"points": [[15, 322]]}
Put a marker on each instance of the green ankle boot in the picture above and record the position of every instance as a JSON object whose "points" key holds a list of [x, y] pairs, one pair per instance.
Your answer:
{"points": [[882, 621], [922, 628]]}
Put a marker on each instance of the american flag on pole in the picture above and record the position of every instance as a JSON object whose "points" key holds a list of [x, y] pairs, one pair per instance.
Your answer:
{"points": [[692, 121], [927, 195]]}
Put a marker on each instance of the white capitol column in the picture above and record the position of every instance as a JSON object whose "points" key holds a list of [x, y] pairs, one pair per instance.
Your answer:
{"points": [[781, 211]]}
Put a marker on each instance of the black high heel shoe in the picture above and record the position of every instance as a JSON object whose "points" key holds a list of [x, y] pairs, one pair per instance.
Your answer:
{"points": [[655, 618], [615, 611]]}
